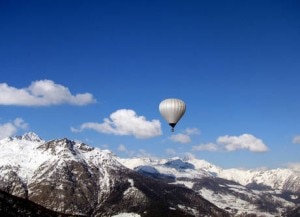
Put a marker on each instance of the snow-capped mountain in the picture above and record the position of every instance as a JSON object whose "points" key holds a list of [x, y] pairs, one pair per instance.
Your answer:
{"points": [[277, 179], [260, 192], [73, 178]]}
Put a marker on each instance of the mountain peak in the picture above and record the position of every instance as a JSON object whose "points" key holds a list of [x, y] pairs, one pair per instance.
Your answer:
{"points": [[31, 136]]}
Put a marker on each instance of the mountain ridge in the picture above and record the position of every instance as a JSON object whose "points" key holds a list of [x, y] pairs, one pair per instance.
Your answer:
{"points": [[73, 178], [76, 179], [274, 178], [260, 192]]}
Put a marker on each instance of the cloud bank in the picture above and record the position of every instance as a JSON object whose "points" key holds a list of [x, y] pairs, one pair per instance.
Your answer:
{"points": [[245, 141], [233, 143], [11, 128], [42, 93], [125, 122]]}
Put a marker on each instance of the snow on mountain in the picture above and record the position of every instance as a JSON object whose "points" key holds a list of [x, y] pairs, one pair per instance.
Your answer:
{"points": [[260, 192], [31, 136], [74, 178], [172, 167], [21, 152], [135, 162], [279, 179], [28, 153], [47, 172]]}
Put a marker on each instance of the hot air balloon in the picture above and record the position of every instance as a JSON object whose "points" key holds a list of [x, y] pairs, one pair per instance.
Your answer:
{"points": [[172, 110]]}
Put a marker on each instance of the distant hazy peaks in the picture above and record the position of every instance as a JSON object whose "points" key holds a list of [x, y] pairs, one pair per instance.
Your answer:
{"points": [[31, 136]]}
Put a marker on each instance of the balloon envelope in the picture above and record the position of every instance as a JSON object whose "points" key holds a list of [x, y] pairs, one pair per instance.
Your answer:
{"points": [[172, 110]]}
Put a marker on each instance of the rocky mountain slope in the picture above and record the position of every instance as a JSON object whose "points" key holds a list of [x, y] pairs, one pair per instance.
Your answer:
{"points": [[257, 192], [277, 179], [73, 178], [12, 206], [76, 179]]}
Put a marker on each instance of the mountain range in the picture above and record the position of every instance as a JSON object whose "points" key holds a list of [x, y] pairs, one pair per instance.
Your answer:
{"points": [[68, 178]]}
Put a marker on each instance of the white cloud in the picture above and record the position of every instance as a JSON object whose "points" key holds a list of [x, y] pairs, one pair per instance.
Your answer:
{"points": [[125, 122], [11, 128], [181, 138], [42, 93], [233, 143], [7, 129], [245, 141], [184, 137], [206, 147], [19, 123], [296, 139]]}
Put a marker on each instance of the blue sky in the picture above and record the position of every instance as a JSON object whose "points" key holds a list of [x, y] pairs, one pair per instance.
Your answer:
{"points": [[96, 71]]}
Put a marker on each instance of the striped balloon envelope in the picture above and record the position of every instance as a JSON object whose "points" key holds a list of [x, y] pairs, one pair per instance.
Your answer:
{"points": [[172, 110]]}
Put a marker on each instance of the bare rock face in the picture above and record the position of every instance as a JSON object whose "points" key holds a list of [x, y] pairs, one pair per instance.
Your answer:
{"points": [[11, 182], [64, 184]]}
